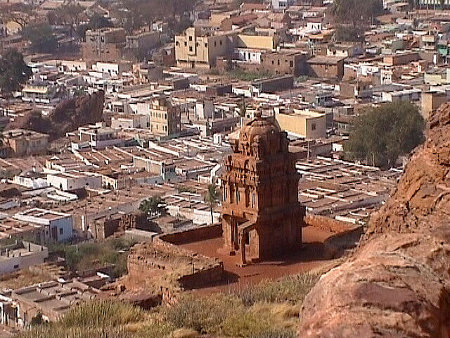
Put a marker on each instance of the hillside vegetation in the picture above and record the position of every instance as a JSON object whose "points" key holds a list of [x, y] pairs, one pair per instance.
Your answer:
{"points": [[269, 309]]}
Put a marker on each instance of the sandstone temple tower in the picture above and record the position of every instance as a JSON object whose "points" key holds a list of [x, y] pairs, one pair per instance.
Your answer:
{"points": [[261, 214]]}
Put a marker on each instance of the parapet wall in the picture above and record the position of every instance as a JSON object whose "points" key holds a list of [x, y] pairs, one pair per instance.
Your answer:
{"points": [[328, 224], [192, 235], [165, 268]]}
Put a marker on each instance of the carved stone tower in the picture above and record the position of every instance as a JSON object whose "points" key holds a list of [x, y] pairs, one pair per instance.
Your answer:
{"points": [[261, 214]]}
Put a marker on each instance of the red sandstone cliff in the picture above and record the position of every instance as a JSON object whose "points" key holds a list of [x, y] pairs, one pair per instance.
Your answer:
{"points": [[398, 282], [422, 198], [67, 116]]}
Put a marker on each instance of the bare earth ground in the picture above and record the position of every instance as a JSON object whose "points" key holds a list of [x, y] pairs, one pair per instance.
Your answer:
{"points": [[311, 256]]}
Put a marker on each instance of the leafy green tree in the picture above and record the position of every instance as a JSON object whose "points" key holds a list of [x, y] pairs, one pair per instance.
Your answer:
{"points": [[212, 198], [41, 37], [152, 205], [349, 33], [37, 320], [382, 134], [356, 12], [13, 72], [68, 14], [19, 13], [96, 21], [141, 12]]}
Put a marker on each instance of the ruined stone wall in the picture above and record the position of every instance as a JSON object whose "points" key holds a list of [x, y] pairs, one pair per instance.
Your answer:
{"points": [[164, 268], [193, 235], [328, 224], [202, 278]]}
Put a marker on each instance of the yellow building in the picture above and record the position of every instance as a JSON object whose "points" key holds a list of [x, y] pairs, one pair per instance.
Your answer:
{"points": [[193, 50], [267, 42], [165, 119], [304, 123]]}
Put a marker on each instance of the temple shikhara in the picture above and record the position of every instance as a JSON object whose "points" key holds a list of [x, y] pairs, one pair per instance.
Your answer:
{"points": [[261, 214]]}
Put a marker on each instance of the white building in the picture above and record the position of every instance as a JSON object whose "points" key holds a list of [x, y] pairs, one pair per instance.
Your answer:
{"points": [[21, 255], [248, 55], [30, 180], [57, 226], [130, 121], [73, 180], [96, 136]]}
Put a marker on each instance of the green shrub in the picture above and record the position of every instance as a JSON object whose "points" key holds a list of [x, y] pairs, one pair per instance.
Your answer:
{"points": [[95, 255]]}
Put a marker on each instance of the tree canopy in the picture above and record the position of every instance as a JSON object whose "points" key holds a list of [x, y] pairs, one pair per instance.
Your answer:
{"points": [[68, 14], [349, 33], [96, 21], [13, 71], [41, 37], [152, 205], [142, 12], [382, 134], [356, 12]]}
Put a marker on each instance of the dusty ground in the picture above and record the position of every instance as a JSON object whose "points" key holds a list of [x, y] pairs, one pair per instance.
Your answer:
{"points": [[310, 256]]}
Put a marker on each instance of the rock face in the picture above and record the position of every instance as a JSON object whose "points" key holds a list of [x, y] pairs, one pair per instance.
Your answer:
{"points": [[397, 284], [422, 198], [67, 116]]}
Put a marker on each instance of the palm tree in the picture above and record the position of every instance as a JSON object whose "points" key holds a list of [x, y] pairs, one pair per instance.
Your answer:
{"points": [[212, 198]]}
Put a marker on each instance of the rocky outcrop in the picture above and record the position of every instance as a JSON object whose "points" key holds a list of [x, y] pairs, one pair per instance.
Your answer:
{"points": [[67, 116], [422, 197], [397, 283]]}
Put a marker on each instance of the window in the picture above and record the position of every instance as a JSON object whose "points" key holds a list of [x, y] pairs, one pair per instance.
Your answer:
{"points": [[215, 43], [177, 43], [206, 44], [185, 43], [278, 62], [61, 231], [190, 38], [291, 63], [313, 126], [221, 42], [238, 195], [190, 48], [16, 266]]}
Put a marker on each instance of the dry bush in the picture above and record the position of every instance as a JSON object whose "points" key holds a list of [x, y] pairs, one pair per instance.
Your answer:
{"points": [[103, 313], [54, 331], [254, 325], [203, 314], [291, 289]]}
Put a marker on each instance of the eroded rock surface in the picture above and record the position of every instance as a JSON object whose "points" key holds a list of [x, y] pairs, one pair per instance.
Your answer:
{"points": [[67, 116], [397, 284]]}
